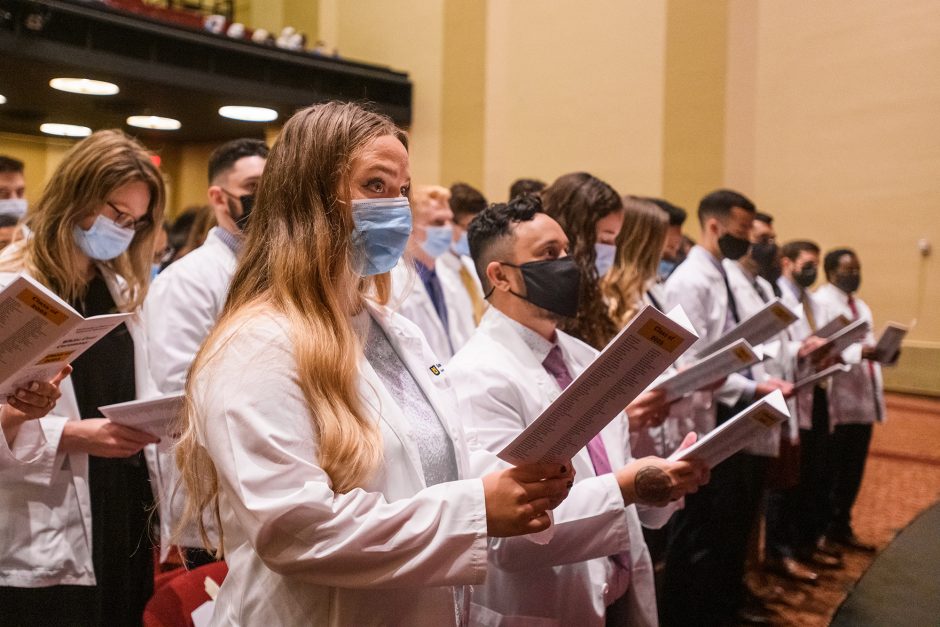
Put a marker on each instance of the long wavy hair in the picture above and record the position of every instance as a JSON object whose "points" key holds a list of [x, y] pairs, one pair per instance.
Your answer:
{"points": [[639, 248], [88, 174], [297, 260], [577, 202]]}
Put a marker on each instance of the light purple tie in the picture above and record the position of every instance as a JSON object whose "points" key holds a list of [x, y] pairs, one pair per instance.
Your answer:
{"points": [[554, 363]]}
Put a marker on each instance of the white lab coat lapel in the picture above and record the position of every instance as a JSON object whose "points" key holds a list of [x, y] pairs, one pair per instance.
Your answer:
{"points": [[500, 330], [419, 360]]}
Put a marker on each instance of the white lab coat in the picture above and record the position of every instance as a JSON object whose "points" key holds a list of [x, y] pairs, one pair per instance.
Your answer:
{"points": [[300, 554], [45, 507], [801, 404], [182, 306], [857, 396], [780, 364], [570, 580], [698, 286], [411, 300]]}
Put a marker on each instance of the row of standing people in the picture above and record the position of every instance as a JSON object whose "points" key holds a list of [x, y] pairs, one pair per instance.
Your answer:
{"points": [[508, 370]]}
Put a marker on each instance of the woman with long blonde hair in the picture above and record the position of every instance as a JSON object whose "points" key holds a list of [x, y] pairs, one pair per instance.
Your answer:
{"points": [[639, 248], [76, 550], [319, 429]]}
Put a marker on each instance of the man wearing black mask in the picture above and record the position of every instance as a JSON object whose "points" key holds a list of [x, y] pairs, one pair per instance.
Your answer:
{"points": [[185, 301], [856, 398], [707, 547], [797, 516], [764, 258]]}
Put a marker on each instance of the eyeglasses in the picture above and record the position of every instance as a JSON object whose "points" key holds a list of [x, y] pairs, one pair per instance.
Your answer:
{"points": [[127, 221]]}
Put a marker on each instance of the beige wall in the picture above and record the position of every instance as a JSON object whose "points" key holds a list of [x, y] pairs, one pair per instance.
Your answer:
{"points": [[573, 89], [839, 138]]}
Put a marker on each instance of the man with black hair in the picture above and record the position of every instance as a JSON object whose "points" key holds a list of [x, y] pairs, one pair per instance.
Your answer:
{"points": [[707, 549], [596, 566], [670, 257], [856, 398], [797, 514], [764, 258], [525, 187], [186, 299]]}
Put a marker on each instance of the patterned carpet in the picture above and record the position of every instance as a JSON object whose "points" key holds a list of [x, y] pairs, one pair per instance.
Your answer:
{"points": [[902, 479]]}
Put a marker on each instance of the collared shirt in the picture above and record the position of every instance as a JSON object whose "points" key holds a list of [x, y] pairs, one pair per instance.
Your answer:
{"points": [[539, 346], [435, 292], [234, 242]]}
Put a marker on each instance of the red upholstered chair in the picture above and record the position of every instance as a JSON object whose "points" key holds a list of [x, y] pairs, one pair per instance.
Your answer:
{"points": [[173, 603]]}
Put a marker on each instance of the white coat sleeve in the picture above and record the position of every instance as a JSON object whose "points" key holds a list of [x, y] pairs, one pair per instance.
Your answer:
{"points": [[590, 523], [179, 312], [258, 432], [34, 457]]}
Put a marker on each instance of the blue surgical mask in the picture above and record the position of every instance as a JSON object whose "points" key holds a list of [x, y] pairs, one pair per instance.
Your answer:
{"points": [[105, 240], [462, 246], [605, 258], [437, 240], [13, 207], [665, 268], [154, 270], [382, 229]]}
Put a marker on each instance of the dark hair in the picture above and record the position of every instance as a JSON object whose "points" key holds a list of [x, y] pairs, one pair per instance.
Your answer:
{"points": [[9, 164], [677, 215], [225, 156], [466, 200], [495, 223], [719, 203], [766, 218], [523, 187], [577, 202], [7, 219], [831, 260], [792, 250]]}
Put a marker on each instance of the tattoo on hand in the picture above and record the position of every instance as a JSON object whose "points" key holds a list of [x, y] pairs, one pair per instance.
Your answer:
{"points": [[652, 485]]}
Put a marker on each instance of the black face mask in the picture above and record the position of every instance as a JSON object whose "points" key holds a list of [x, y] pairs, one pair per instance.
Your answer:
{"points": [[848, 283], [764, 255], [733, 247], [248, 203], [806, 276], [552, 284]]}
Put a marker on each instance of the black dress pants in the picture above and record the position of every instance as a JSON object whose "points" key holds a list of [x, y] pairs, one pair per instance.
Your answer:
{"points": [[848, 452], [707, 549], [812, 507]]}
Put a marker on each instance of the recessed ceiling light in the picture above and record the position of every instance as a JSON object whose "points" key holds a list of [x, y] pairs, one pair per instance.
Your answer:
{"points": [[65, 130], [248, 114], [3, 99], [154, 122], [84, 86]]}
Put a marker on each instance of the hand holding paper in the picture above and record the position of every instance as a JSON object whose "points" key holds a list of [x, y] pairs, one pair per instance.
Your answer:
{"points": [[655, 481], [737, 432], [626, 367], [713, 368]]}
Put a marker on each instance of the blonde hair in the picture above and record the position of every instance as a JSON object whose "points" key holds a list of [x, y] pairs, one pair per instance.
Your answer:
{"points": [[639, 248], [88, 174], [297, 260]]}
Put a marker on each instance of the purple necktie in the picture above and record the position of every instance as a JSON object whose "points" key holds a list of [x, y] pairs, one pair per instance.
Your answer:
{"points": [[554, 363]]}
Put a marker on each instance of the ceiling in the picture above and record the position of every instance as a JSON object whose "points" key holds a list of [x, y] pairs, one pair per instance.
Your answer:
{"points": [[166, 71]]}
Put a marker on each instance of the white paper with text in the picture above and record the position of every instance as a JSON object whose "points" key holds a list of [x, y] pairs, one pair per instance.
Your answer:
{"points": [[40, 334], [852, 333], [624, 369], [153, 416], [758, 328], [710, 370], [738, 432], [888, 345], [822, 374]]}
